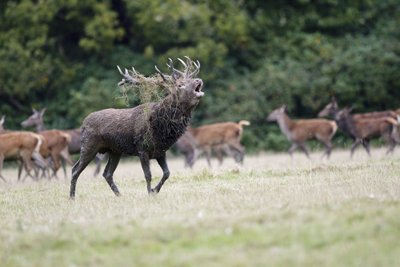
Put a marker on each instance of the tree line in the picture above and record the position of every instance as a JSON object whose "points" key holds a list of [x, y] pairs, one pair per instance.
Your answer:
{"points": [[255, 56]]}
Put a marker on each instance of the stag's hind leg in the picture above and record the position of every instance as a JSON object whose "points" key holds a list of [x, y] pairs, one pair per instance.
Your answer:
{"points": [[108, 173], [86, 157]]}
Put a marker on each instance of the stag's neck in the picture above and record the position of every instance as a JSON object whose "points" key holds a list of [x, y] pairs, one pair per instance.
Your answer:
{"points": [[168, 121], [285, 124]]}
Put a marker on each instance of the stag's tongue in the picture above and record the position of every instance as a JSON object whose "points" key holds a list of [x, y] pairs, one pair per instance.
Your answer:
{"points": [[199, 94]]}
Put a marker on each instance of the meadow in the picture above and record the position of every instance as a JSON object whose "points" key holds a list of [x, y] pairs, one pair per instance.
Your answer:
{"points": [[272, 211]]}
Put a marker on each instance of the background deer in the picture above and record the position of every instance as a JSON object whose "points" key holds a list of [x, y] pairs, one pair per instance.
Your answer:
{"points": [[220, 136], [362, 127], [363, 130], [186, 145], [299, 131], [74, 146], [21, 146], [55, 143], [147, 130], [332, 108]]}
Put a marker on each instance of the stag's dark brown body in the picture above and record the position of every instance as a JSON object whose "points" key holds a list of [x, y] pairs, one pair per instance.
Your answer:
{"points": [[146, 131]]}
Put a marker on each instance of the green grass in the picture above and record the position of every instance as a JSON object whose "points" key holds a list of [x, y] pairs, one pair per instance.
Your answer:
{"points": [[273, 211]]}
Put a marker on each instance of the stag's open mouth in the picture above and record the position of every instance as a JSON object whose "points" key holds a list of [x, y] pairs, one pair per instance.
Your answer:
{"points": [[197, 90]]}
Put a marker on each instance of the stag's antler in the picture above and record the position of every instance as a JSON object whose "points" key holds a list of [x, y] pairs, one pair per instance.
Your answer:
{"points": [[128, 77]]}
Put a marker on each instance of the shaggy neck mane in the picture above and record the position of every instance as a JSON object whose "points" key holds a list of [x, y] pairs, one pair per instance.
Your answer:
{"points": [[168, 121]]}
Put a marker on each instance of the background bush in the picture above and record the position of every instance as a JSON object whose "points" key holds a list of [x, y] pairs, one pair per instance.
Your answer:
{"points": [[255, 55]]}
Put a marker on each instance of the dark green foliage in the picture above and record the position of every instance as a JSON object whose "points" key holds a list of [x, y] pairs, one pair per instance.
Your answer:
{"points": [[255, 56]]}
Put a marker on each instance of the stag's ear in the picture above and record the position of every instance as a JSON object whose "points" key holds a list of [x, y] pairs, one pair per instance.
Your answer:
{"points": [[284, 108], [34, 110], [43, 111], [3, 118]]}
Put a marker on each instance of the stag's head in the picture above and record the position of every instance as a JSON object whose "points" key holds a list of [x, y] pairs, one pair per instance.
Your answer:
{"points": [[277, 113], [181, 84], [330, 109], [36, 119]]}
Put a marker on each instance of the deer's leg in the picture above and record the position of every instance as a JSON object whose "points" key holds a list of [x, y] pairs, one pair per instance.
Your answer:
{"points": [[219, 155], [84, 160], [26, 159], [20, 166], [304, 149], [97, 161], [208, 156], [355, 144], [145, 162], [292, 148], [162, 161], [239, 155], [328, 149], [1, 168], [108, 173], [365, 144]]}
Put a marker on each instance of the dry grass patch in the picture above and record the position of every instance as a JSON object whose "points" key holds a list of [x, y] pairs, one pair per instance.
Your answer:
{"points": [[272, 211]]}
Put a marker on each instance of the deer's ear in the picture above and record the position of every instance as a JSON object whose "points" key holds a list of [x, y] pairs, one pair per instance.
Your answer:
{"points": [[284, 108], [43, 111], [3, 118], [34, 110]]}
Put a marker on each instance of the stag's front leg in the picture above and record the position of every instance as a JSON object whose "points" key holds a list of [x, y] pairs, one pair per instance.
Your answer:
{"points": [[145, 162], [162, 161]]}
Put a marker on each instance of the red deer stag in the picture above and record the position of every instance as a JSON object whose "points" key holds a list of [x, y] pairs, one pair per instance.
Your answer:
{"points": [[299, 131], [217, 136], [147, 130]]}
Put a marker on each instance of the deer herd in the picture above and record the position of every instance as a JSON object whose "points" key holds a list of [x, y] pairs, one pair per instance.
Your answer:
{"points": [[149, 130]]}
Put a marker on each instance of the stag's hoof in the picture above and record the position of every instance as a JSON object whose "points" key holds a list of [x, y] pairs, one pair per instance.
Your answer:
{"points": [[153, 192]]}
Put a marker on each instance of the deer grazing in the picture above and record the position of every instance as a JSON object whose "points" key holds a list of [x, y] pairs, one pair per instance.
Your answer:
{"points": [[219, 137], [146, 131], [362, 127], [299, 131], [55, 143]]}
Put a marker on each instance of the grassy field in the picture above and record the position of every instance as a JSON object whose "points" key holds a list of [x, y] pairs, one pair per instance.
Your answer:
{"points": [[273, 211]]}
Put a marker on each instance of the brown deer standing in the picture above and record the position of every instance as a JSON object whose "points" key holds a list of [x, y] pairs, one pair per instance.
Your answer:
{"points": [[147, 130], [55, 143], [299, 131], [219, 136]]}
